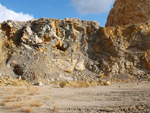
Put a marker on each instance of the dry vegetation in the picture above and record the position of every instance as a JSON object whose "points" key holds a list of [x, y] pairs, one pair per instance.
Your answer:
{"points": [[101, 75], [62, 84], [36, 103], [27, 109], [23, 99], [47, 97], [20, 91], [20, 98], [79, 84], [12, 82], [17, 105], [10, 97], [3, 103], [33, 91]]}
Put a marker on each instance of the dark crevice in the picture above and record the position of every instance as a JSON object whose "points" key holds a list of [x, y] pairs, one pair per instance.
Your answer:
{"points": [[18, 70], [62, 48]]}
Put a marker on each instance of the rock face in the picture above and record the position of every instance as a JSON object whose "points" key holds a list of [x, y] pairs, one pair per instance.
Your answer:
{"points": [[72, 49], [129, 12]]}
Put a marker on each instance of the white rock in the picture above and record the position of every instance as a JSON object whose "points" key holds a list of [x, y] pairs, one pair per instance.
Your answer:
{"points": [[28, 30], [40, 83], [80, 66], [108, 83], [26, 46], [38, 40]]}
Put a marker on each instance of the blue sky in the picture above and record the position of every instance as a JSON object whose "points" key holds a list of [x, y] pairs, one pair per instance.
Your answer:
{"points": [[22, 10]]}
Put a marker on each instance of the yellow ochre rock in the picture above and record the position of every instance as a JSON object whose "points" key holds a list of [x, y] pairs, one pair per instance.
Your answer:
{"points": [[129, 12]]}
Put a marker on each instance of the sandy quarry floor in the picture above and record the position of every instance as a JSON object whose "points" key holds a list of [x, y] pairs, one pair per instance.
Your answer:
{"points": [[128, 97]]}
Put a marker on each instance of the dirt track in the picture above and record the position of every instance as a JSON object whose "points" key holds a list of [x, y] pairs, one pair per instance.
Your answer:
{"points": [[128, 97]]}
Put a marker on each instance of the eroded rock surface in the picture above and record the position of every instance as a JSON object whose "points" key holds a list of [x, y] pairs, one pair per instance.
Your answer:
{"points": [[71, 49], [129, 12]]}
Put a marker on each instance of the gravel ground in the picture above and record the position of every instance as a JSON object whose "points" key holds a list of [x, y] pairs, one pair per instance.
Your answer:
{"points": [[117, 97]]}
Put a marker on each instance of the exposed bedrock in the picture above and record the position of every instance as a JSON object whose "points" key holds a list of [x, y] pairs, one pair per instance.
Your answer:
{"points": [[73, 49]]}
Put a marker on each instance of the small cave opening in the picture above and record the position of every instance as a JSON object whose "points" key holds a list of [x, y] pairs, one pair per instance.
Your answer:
{"points": [[18, 70]]}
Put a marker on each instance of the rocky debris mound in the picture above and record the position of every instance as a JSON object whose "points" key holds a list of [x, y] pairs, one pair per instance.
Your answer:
{"points": [[51, 50], [129, 12]]}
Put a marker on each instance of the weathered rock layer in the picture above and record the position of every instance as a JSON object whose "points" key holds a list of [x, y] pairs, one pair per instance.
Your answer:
{"points": [[129, 12], [73, 49]]}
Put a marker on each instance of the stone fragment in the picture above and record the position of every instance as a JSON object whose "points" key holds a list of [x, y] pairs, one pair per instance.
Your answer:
{"points": [[38, 83], [80, 65]]}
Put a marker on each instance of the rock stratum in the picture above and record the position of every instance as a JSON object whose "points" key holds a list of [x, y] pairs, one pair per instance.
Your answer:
{"points": [[129, 12], [73, 50]]}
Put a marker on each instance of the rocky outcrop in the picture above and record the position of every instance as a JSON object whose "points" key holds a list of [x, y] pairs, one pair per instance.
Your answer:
{"points": [[74, 50], [129, 12]]}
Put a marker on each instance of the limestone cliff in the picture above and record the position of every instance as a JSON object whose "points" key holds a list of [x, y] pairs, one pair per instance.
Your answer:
{"points": [[129, 12], [74, 50]]}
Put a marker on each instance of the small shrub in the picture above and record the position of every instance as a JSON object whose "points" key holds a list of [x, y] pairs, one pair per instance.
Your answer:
{"points": [[27, 109], [3, 103], [17, 105], [36, 104], [16, 82], [78, 84], [10, 100], [101, 75], [62, 84], [47, 97]]}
